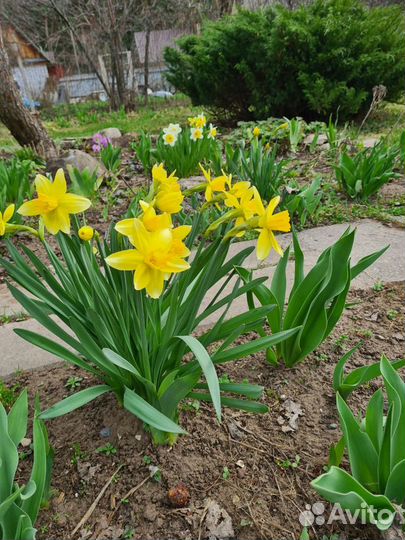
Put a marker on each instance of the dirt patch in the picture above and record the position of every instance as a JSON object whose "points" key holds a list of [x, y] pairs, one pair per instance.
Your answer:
{"points": [[245, 464]]}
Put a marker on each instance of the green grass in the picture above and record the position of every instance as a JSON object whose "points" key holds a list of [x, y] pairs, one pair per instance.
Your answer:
{"points": [[86, 119]]}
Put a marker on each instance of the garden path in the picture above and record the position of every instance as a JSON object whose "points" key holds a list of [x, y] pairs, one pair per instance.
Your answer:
{"points": [[371, 236]]}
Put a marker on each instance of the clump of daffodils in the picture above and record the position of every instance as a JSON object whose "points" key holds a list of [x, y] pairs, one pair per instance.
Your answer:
{"points": [[197, 131], [245, 210]]}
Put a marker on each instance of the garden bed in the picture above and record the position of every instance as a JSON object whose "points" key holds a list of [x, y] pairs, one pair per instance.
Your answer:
{"points": [[246, 464]]}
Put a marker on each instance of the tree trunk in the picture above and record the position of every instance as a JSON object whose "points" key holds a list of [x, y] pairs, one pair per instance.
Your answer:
{"points": [[146, 63], [24, 126]]}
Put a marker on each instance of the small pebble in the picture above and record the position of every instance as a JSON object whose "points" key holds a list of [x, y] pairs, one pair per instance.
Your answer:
{"points": [[105, 432], [332, 426]]}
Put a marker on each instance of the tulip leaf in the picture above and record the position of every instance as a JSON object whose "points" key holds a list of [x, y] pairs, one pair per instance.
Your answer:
{"points": [[362, 454], [18, 418], [338, 486]]}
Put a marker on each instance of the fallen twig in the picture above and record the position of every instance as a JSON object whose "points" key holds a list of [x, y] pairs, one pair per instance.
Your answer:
{"points": [[95, 503]]}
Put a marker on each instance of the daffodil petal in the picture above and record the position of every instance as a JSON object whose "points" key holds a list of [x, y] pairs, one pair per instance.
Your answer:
{"points": [[142, 276], [140, 236], [74, 204], [8, 212], [43, 185], [275, 244], [263, 245], [125, 226], [156, 283], [179, 233], [128, 259], [273, 204], [59, 184], [33, 208]]}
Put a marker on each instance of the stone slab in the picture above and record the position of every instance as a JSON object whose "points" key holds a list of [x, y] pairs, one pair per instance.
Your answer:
{"points": [[371, 236]]}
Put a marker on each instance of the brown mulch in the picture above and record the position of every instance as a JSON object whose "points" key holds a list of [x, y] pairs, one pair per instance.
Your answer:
{"points": [[262, 493]]}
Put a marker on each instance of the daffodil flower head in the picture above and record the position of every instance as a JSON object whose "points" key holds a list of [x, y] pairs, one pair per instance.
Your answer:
{"points": [[256, 131], [154, 259], [172, 128], [200, 120], [214, 185], [169, 139], [269, 222], [5, 218], [212, 132], [196, 133], [54, 204], [86, 233], [159, 175]]}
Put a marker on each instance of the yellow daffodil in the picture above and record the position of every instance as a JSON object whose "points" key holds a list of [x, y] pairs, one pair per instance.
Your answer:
{"points": [[86, 233], [159, 174], [153, 221], [256, 131], [169, 139], [214, 185], [196, 134], [269, 222], [248, 203], [154, 258], [5, 218], [191, 121], [200, 121], [213, 132], [54, 204], [283, 126], [168, 196]]}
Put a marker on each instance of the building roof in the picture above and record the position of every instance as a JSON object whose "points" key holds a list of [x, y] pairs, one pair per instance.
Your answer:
{"points": [[19, 44], [159, 40]]}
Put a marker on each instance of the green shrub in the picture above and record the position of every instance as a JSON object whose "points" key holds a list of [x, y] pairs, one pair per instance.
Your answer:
{"points": [[364, 174], [309, 62]]}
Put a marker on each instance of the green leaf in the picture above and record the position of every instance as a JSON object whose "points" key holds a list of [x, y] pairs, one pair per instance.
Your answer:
{"points": [[18, 418], [75, 401], [207, 366], [50, 346], [395, 488], [338, 486], [251, 347], [148, 414], [362, 454], [234, 403]]}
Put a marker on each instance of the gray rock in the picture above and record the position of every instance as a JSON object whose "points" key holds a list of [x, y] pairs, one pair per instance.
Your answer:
{"points": [[77, 159], [111, 133], [218, 522]]}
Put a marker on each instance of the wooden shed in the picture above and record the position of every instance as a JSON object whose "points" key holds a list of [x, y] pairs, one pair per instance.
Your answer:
{"points": [[29, 63]]}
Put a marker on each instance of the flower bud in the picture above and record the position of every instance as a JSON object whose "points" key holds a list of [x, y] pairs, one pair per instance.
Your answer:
{"points": [[86, 233]]}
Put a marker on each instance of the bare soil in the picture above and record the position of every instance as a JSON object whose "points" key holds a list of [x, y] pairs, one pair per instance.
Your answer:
{"points": [[244, 464]]}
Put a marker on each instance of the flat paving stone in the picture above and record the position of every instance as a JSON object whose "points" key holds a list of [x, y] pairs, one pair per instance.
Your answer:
{"points": [[371, 236]]}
